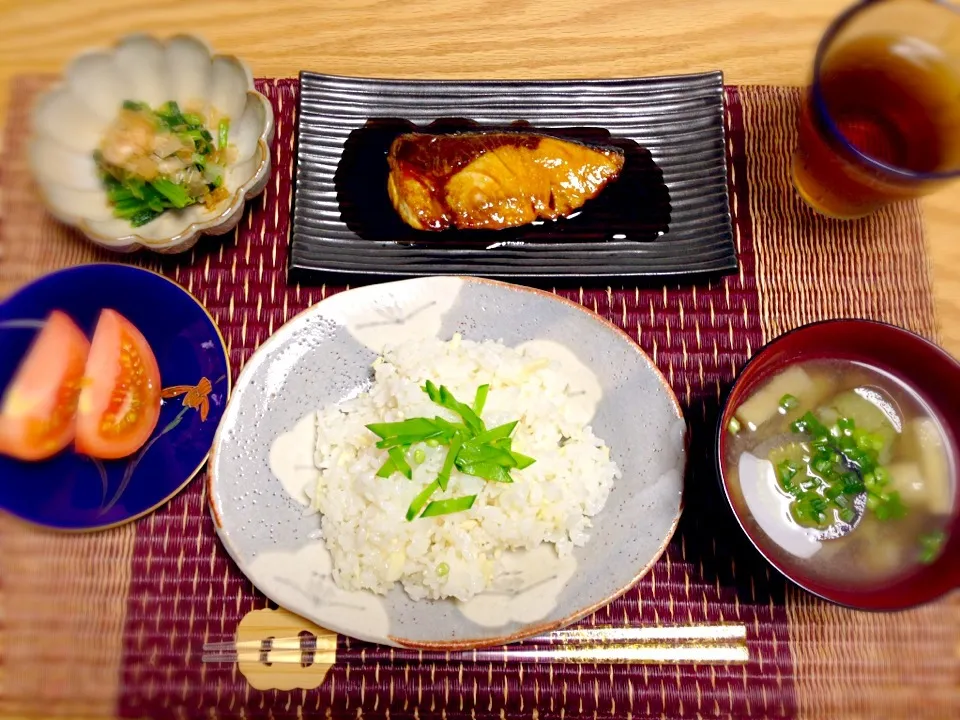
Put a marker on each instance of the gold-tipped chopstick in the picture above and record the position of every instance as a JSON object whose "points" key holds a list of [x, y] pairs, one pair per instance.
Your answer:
{"points": [[708, 644]]}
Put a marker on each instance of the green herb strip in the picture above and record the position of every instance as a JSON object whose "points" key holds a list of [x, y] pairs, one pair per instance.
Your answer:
{"points": [[446, 507], [480, 399], [474, 450], [444, 476], [400, 462], [420, 500]]}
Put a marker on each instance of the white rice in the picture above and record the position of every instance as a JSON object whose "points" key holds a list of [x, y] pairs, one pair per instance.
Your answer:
{"points": [[363, 519]]}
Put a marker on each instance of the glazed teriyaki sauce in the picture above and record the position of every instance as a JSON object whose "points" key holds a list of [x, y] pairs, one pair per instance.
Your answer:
{"points": [[633, 208]]}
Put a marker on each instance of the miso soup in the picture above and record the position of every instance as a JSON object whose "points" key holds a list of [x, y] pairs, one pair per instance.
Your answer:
{"points": [[826, 442]]}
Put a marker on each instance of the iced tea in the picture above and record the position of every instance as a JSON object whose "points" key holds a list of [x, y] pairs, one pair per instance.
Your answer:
{"points": [[879, 123]]}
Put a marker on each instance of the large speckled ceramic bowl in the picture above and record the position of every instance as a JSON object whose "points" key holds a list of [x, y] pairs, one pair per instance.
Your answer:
{"points": [[325, 354], [69, 122]]}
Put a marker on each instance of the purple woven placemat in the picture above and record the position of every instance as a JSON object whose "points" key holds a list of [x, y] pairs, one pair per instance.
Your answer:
{"points": [[184, 590]]}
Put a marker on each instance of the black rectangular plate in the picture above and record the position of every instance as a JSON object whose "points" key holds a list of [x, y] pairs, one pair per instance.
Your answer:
{"points": [[679, 120]]}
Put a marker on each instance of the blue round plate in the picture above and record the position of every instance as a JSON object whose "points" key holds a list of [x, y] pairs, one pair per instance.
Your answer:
{"points": [[71, 491]]}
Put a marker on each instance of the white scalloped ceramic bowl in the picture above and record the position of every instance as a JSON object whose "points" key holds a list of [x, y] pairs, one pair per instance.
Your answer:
{"points": [[69, 121]]}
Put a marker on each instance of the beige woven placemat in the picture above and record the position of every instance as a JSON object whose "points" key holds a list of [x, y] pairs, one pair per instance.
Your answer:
{"points": [[847, 663], [68, 619]]}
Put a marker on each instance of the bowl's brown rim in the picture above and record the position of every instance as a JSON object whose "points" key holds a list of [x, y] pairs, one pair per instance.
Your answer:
{"points": [[744, 376]]}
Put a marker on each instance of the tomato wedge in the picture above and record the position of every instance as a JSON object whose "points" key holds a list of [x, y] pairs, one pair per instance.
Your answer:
{"points": [[39, 407], [120, 400]]}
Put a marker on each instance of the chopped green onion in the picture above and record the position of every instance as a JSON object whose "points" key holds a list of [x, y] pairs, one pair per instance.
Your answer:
{"points": [[445, 507], [201, 139], [890, 507], [413, 427], [828, 485], [791, 488], [930, 545], [498, 433], [487, 471], [472, 453], [474, 450], [443, 569], [480, 399], [862, 460], [443, 397], [734, 426], [821, 443], [881, 476], [523, 461], [451, 428], [868, 442], [444, 477], [396, 463], [223, 133], [387, 469], [420, 500], [822, 465], [833, 492], [400, 441], [809, 424], [400, 462], [432, 391], [789, 402], [799, 513], [786, 471], [846, 424]]}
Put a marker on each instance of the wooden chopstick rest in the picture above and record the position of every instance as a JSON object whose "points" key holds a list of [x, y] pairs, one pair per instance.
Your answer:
{"points": [[282, 667]]}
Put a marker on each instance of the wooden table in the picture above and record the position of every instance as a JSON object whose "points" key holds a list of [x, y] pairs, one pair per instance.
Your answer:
{"points": [[752, 41]]}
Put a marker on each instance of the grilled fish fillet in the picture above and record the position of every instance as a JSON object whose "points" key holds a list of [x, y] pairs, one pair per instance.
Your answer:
{"points": [[493, 180]]}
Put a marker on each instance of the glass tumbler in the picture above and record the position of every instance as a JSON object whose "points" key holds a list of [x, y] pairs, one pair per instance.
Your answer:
{"points": [[880, 120]]}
